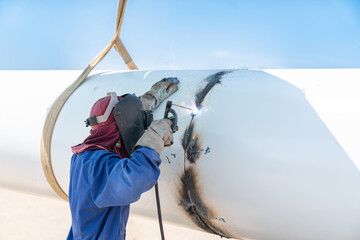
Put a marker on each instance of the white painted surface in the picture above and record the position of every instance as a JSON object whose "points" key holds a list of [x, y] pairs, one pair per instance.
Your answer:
{"points": [[281, 164], [334, 95], [24, 99]]}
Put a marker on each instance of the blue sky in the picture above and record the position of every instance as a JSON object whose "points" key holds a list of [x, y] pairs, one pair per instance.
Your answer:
{"points": [[170, 34]]}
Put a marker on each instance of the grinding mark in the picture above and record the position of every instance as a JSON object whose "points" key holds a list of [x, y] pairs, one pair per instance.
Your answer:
{"points": [[195, 206], [212, 81]]}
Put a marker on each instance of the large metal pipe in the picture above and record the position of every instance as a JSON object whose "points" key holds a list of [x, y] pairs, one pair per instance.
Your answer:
{"points": [[258, 158]]}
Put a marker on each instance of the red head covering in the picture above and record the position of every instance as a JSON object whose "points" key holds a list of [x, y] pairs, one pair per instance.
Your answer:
{"points": [[103, 135]]}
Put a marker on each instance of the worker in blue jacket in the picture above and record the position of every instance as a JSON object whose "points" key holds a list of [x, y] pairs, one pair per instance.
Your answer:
{"points": [[104, 178]]}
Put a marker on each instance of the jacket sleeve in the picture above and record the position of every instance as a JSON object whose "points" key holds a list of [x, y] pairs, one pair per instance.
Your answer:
{"points": [[119, 182]]}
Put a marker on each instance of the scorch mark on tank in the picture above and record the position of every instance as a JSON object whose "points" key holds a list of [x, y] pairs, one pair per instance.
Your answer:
{"points": [[191, 144], [212, 81], [190, 193], [194, 205]]}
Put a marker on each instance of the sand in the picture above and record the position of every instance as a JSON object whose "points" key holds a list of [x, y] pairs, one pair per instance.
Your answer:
{"points": [[26, 216]]}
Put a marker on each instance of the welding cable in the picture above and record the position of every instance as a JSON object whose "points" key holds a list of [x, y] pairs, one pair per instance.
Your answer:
{"points": [[159, 211]]}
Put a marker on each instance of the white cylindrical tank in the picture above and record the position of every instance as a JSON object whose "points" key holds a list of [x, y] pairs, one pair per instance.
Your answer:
{"points": [[253, 159]]}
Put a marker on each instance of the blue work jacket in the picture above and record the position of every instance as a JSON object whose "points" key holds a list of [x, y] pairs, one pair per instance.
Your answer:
{"points": [[102, 187]]}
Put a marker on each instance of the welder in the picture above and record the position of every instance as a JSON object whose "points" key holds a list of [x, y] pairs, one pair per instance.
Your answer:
{"points": [[107, 173]]}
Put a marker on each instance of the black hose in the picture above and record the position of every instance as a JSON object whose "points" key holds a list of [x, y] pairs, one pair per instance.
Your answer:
{"points": [[174, 120], [159, 211]]}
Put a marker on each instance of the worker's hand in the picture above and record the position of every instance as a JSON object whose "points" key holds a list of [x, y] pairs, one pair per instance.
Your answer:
{"points": [[157, 136], [159, 92]]}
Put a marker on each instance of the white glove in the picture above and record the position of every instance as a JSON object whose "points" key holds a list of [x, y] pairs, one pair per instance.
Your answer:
{"points": [[159, 92], [157, 136]]}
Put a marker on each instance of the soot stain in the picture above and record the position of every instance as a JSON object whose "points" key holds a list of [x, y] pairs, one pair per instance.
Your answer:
{"points": [[191, 199], [191, 144], [212, 81], [193, 204], [187, 135]]}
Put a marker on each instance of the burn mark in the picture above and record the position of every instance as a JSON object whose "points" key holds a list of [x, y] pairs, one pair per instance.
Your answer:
{"points": [[187, 135], [191, 200], [193, 150], [191, 144], [212, 81], [195, 206]]}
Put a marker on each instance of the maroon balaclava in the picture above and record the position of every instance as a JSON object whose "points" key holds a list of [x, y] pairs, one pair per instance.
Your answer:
{"points": [[103, 135]]}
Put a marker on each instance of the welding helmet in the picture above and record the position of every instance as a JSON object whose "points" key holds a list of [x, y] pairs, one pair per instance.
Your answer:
{"points": [[130, 117]]}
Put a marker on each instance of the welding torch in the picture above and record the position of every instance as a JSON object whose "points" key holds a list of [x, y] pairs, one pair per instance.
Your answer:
{"points": [[173, 118]]}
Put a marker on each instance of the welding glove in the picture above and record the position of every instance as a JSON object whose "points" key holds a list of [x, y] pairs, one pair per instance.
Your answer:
{"points": [[159, 92], [157, 136]]}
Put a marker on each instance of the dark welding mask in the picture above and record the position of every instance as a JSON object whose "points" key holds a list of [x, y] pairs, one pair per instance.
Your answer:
{"points": [[130, 117], [131, 120]]}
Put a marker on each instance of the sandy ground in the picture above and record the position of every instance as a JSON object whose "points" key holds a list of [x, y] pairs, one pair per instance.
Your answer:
{"points": [[25, 216]]}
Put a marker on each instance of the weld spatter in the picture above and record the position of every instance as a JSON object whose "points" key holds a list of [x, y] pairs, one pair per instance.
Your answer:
{"points": [[212, 81], [195, 207]]}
